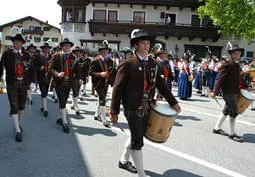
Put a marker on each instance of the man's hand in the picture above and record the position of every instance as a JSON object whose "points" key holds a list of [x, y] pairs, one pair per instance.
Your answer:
{"points": [[177, 107], [61, 74], [213, 95], [114, 118], [103, 74]]}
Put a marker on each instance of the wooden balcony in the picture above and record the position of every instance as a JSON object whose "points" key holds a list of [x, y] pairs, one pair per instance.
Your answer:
{"points": [[156, 28], [27, 31]]}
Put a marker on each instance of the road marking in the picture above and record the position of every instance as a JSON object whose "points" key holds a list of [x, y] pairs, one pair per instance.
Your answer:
{"points": [[212, 115], [186, 156]]}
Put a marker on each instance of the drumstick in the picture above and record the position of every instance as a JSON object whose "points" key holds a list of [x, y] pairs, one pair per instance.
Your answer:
{"points": [[117, 124], [216, 100]]}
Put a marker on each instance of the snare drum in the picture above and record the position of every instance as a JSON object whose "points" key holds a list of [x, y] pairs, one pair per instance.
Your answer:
{"points": [[244, 100], [252, 74], [160, 122]]}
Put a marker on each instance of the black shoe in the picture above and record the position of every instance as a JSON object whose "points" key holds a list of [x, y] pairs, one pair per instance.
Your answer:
{"points": [[97, 118], [220, 132], [72, 107], [66, 128], [81, 99], [199, 92], [237, 138], [60, 121], [128, 166], [41, 109], [77, 112], [107, 124], [18, 137], [252, 109], [45, 113]]}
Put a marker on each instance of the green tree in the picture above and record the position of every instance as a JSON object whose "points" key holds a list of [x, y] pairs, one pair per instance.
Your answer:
{"points": [[233, 16]]}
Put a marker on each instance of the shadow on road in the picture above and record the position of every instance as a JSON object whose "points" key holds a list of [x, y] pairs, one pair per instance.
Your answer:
{"points": [[172, 173], [181, 117], [249, 138], [89, 131]]}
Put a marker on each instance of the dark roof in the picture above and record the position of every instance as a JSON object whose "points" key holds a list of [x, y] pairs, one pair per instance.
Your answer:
{"points": [[169, 3], [24, 19]]}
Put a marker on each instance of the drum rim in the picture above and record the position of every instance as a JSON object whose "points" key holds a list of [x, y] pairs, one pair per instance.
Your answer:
{"points": [[153, 105], [245, 96]]}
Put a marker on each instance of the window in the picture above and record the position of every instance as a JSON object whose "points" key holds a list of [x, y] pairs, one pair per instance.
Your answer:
{"points": [[195, 20], [45, 39], [78, 15], [8, 38], [54, 39], [37, 39], [99, 15], [170, 18], [79, 27], [67, 27], [249, 54], [31, 28], [68, 15], [207, 22], [112, 15], [139, 17], [46, 29], [38, 28]]}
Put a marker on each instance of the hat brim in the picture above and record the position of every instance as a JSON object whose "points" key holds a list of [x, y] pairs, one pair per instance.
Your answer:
{"points": [[239, 49], [18, 39], [105, 48], [29, 47], [42, 47], [62, 43], [148, 38]]}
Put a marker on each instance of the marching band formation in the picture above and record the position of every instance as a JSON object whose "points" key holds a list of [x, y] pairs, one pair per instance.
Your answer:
{"points": [[142, 77]]}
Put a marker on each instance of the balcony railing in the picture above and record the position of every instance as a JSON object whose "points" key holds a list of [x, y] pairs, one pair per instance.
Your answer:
{"points": [[28, 31], [156, 28]]}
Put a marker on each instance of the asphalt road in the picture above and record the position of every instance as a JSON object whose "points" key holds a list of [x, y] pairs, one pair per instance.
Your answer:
{"points": [[91, 150]]}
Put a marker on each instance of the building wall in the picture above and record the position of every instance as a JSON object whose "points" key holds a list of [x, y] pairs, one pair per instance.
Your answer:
{"points": [[125, 13], [53, 33]]}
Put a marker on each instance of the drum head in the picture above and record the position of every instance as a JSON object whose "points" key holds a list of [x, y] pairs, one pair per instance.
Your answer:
{"points": [[248, 95], [163, 108]]}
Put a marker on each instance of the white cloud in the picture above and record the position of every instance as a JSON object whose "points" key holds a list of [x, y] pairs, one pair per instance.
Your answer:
{"points": [[41, 9]]}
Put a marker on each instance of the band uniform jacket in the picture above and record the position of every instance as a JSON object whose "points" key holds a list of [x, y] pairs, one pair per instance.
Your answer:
{"points": [[85, 68], [162, 67], [57, 64], [39, 62], [129, 86], [8, 62], [229, 78], [97, 65]]}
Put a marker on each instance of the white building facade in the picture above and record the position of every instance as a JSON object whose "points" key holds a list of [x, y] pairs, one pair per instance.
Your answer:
{"points": [[175, 23]]}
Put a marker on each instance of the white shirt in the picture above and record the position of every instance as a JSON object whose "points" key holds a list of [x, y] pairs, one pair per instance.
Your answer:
{"points": [[141, 58]]}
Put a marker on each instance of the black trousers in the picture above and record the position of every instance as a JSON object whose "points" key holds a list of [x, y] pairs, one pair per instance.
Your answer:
{"points": [[76, 87], [231, 107], [137, 126], [17, 97], [102, 93], [63, 90], [44, 87]]}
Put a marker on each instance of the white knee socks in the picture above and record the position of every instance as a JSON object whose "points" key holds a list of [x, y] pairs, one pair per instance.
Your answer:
{"points": [[126, 153], [15, 119], [63, 115], [220, 121], [138, 160], [75, 103], [232, 123]]}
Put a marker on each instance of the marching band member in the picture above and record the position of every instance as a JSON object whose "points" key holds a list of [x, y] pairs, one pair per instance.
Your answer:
{"points": [[176, 70], [18, 76], [214, 72], [205, 76], [53, 85], [229, 81], [252, 73], [102, 72], [85, 71], [135, 87], [43, 75], [31, 49], [77, 80], [198, 78], [127, 52], [64, 69], [184, 91]]}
